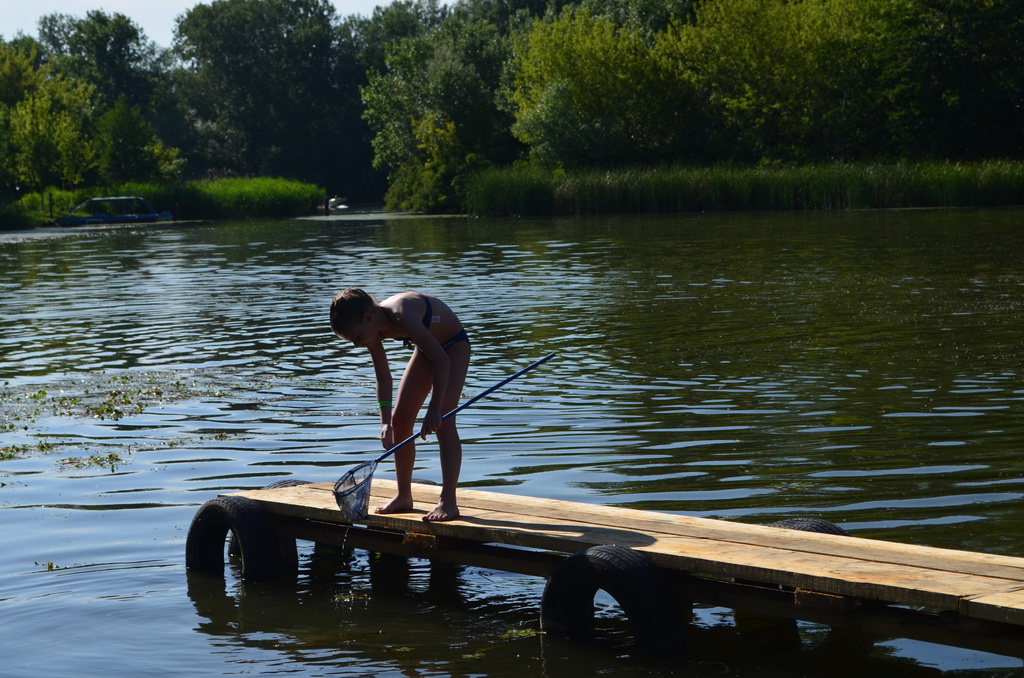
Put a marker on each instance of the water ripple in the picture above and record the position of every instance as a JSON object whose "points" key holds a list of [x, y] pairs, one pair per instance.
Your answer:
{"points": [[847, 369]]}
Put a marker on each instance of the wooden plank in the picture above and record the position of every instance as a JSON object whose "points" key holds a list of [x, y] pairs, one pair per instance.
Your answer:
{"points": [[1005, 606], [885, 621], [777, 561]]}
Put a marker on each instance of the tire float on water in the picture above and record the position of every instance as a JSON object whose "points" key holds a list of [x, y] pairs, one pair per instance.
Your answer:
{"points": [[233, 548], [640, 589], [265, 556], [811, 525], [776, 631]]}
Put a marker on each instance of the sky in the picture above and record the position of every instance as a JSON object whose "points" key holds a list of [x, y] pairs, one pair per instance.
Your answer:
{"points": [[155, 17]]}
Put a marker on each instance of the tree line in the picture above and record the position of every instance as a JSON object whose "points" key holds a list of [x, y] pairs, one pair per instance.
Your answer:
{"points": [[410, 101]]}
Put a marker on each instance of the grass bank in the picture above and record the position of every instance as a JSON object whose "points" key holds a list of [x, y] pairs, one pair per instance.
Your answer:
{"points": [[208, 199], [533, 191]]}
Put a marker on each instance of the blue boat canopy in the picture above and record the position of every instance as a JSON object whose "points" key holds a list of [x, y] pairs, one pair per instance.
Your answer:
{"points": [[113, 210]]}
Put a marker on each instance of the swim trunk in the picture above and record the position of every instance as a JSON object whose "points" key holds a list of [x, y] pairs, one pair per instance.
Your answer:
{"points": [[459, 336]]}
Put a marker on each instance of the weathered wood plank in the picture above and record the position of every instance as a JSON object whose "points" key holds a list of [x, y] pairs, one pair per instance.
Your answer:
{"points": [[1006, 606], [884, 621]]}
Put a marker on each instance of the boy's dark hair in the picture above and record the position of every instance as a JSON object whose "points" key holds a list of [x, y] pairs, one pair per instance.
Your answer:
{"points": [[348, 308]]}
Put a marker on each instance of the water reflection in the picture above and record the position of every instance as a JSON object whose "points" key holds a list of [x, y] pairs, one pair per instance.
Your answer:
{"points": [[364, 612], [355, 614]]}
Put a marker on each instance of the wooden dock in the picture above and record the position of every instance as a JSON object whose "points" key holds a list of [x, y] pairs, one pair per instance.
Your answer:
{"points": [[958, 598]]}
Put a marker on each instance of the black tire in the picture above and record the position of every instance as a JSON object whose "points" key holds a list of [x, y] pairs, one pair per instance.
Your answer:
{"points": [[811, 525], [264, 555], [640, 589], [287, 482], [233, 548], [783, 634]]}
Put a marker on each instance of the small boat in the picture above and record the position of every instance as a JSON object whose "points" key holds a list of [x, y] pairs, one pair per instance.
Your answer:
{"points": [[114, 210]]}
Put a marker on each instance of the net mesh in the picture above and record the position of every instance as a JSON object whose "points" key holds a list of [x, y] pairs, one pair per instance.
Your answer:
{"points": [[352, 491]]}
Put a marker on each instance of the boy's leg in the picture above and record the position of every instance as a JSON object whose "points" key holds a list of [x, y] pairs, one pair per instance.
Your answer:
{"points": [[448, 436], [412, 393]]}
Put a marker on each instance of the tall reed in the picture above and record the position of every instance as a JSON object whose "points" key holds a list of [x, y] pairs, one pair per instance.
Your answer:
{"points": [[528, 190], [517, 190], [206, 199]]}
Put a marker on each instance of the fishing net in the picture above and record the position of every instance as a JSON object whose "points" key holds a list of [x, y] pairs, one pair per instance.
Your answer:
{"points": [[352, 491]]}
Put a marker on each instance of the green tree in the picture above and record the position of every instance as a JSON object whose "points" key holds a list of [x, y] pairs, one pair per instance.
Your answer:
{"points": [[787, 80], [648, 16], [108, 51], [435, 112], [954, 78], [19, 77], [510, 16], [269, 88], [393, 22], [591, 92], [130, 149], [112, 53], [50, 134], [20, 73], [7, 181]]}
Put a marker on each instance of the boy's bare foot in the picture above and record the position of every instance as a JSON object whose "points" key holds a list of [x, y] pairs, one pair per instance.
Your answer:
{"points": [[396, 505], [443, 511]]}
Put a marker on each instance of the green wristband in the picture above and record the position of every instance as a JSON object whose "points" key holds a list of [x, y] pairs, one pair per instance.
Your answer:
{"points": [[383, 403]]}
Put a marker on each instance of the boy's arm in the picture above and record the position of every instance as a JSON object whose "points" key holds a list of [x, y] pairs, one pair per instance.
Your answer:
{"points": [[382, 373]]}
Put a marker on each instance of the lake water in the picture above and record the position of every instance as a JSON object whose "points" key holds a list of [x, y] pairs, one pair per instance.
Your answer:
{"points": [[860, 367]]}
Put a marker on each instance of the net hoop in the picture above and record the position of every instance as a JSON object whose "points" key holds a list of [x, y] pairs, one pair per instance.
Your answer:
{"points": [[352, 491]]}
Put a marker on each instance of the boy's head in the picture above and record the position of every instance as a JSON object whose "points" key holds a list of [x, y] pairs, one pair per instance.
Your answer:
{"points": [[348, 308]]}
